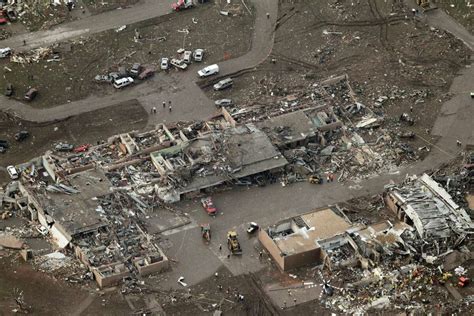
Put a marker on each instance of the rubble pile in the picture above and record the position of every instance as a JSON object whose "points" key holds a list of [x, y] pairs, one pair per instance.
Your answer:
{"points": [[33, 56], [405, 266], [39, 14], [411, 287], [327, 130], [459, 181]]}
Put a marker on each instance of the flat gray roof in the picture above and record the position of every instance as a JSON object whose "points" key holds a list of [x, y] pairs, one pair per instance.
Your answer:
{"points": [[76, 213]]}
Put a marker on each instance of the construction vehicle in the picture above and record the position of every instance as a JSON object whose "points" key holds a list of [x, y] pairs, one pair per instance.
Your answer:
{"points": [[315, 179], [206, 232], [182, 4], [233, 243]]}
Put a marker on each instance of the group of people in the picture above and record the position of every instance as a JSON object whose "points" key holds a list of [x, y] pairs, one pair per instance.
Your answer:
{"points": [[154, 110]]}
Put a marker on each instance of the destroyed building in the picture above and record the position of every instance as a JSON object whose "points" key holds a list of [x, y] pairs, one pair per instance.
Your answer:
{"points": [[99, 226], [214, 158], [424, 204]]}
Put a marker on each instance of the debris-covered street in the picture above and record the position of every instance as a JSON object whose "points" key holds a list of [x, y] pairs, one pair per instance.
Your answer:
{"points": [[236, 157]]}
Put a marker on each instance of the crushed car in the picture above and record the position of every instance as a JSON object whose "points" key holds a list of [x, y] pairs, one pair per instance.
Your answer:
{"points": [[209, 206]]}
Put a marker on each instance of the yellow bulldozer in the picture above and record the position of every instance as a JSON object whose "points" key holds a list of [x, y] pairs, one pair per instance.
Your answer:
{"points": [[233, 243]]}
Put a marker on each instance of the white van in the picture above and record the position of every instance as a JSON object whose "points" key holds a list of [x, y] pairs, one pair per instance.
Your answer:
{"points": [[208, 71], [5, 52], [12, 172], [123, 82]]}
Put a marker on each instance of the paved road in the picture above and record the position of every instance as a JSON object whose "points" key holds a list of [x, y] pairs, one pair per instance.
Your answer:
{"points": [[440, 19], [179, 87], [145, 9]]}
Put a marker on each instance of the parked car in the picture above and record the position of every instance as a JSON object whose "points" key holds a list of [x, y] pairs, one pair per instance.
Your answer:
{"points": [[187, 56], [5, 52], [223, 102], [198, 54], [122, 71], [4, 143], [253, 227], [223, 84], [135, 69], [64, 147], [123, 82], [3, 18], [103, 78], [21, 136], [42, 230], [208, 206], [81, 148], [208, 71], [31, 94], [164, 64], [12, 172], [3, 146], [9, 90], [114, 76], [146, 73], [179, 63]]}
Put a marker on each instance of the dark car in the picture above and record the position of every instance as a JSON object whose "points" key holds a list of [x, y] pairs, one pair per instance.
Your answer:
{"points": [[223, 102], [21, 136], [252, 228], [9, 90], [135, 69], [63, 147], [147, 73], [4, 143], [3, 146], [31, 94], [11, 14]]}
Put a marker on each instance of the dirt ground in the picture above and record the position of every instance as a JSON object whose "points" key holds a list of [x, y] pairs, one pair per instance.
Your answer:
{"points": [[40, 15], [72, 78], [38, 290], [85, 128], [384, 54], [99, 6]]}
